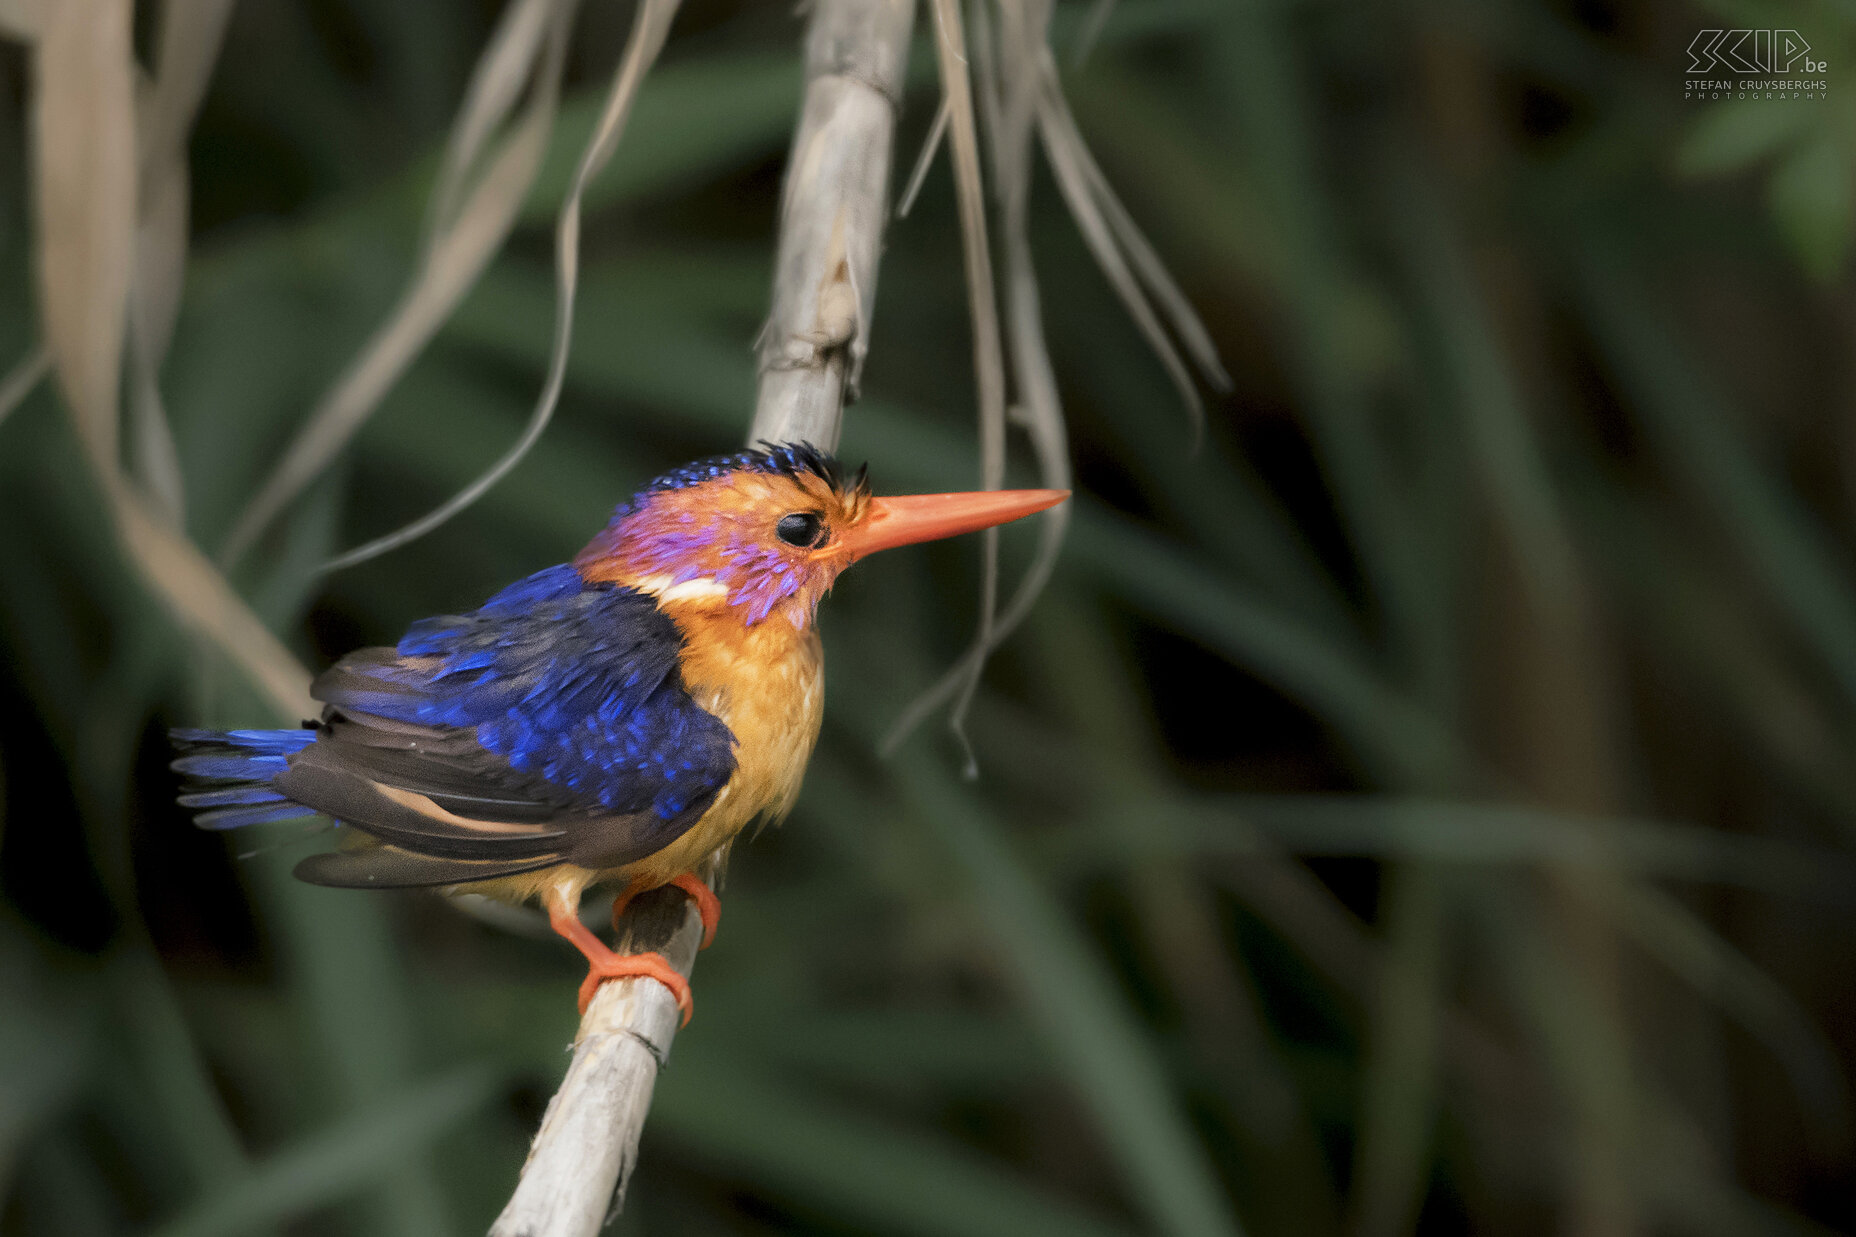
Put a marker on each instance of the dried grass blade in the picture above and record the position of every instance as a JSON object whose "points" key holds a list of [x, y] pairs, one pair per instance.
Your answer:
{"points": [[1042, 417], [988, 351], [1134, 243], [201, 600], [1064, 148], [983, 75], [188, 45], [154, 460], [160, 244], [1011, 115], [930, 144], [22, 378], [495, 85], [963, 140], [22, 19], [649, 29], [85, 173], [452, 261], [191, 34], [84, 137], [1091, 31], [1040, 413], [1025, 28]]}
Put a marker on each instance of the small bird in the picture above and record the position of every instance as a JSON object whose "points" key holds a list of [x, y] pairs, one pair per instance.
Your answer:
{"points": [[616, 719]]}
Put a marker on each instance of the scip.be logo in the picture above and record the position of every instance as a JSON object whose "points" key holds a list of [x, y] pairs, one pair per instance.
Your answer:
{"points": [[1751, 51]]}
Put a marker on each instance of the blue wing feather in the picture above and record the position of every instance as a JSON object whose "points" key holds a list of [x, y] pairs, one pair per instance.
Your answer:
{"points": [[574, 683], [557, 703]]}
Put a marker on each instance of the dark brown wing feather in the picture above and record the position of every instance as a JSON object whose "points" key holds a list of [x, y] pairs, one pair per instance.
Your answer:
{"points": [[319, 778], [389, 867], [447, 766]]}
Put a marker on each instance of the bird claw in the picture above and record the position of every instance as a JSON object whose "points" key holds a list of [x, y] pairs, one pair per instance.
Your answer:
{"points": [[603, 964], [636, 966], [708, 906]]}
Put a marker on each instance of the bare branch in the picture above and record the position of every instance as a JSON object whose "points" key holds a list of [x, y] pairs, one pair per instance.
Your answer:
{"points": [[831, 220], [831, 229], [583, 1155]]}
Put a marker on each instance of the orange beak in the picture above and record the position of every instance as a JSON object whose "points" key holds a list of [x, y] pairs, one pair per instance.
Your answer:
{"points": [[908, 518]]}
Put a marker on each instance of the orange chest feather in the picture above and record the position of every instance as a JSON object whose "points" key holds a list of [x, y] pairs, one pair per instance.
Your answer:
{"points": [[767, 685]]}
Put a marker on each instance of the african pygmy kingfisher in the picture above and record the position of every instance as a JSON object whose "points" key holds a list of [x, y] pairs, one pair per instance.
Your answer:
{"points": [[619, 718]]}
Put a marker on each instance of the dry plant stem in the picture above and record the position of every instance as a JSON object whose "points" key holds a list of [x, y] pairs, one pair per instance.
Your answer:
{"points": [[471, 221], [1009, 84], [582, 1157], [1013, 75], [831, 225], [22, 378], [835, 205], [988, 348], [188, 45], [85, 189], [650, 26]]}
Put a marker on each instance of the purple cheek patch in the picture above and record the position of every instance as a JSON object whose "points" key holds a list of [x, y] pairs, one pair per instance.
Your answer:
{"points": [[758, 577]]}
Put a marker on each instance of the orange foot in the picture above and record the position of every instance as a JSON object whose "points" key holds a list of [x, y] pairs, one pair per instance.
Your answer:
{"points": [[603, 964], [708, 906]]}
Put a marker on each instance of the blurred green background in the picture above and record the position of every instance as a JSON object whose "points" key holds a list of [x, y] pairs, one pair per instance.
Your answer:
{"points": [[1423, 805]]}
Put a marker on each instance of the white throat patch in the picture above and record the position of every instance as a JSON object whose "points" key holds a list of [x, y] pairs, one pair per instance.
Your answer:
{"points": [[703, 588]]}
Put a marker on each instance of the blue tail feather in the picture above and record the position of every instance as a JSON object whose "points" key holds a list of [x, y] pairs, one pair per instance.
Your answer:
{"points": [[239, 817], [229, 767], [230, 796], [247, 760]]}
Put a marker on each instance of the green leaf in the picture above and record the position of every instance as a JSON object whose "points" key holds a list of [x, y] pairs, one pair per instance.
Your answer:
{"points": [[692, 119], [872, 1175], [337, 1161], [1732, 135], [1110, 1059], [1399, 1100], [1691, 425], [1392, 733], [1453, 831], [44, 1048], [1679, 938], [1810, 195]]}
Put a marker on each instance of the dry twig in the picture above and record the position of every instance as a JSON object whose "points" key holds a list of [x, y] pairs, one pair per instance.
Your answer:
{"points": [[831, 220], [650, 26], [471, 217], [1011, 76], [88, 215], [831, 227]]}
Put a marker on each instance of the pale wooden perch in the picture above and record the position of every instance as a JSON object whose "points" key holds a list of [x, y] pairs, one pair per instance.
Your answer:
{"points": [[831, 229], [835, 204]]}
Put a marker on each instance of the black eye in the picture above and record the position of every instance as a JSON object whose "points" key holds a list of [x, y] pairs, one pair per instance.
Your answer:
{"points": [[802, 528]]}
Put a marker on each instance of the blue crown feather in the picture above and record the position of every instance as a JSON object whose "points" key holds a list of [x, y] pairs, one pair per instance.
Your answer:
{"points": [[791, 459]]}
